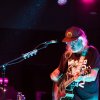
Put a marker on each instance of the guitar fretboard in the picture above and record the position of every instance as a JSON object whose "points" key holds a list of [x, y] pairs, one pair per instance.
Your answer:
{"points": [[68, 82]]}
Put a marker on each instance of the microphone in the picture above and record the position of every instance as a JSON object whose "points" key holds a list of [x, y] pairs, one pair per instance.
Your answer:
{"points": [[50, 42]]}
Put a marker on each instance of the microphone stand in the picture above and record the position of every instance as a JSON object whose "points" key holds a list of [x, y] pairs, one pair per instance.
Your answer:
{"points": [[3, 82], [18, 60]]}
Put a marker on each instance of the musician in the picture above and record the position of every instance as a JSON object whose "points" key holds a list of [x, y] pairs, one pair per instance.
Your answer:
{"points": [[80, 62]]}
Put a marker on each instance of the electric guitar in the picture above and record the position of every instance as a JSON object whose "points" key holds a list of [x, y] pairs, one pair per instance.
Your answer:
{"points": [[60, 90]]}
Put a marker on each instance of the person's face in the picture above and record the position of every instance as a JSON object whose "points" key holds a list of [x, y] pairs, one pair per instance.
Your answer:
{"points": [[76, 45]]}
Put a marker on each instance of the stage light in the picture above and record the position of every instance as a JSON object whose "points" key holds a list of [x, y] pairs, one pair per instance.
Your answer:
{"points": [[88, 1], [62, 2]]}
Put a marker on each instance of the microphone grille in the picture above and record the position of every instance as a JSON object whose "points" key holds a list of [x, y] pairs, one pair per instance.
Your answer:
{"points": [[53, 41]]}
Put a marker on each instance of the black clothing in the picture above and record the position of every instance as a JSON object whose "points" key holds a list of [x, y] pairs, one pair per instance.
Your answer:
{"points": [[92, 59]]}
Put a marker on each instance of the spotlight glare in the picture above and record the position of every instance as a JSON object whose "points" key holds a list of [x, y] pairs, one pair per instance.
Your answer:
{"points": [[88, 1], [62, 2]]}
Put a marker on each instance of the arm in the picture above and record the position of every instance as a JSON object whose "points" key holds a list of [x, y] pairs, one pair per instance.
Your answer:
{"points": [[90, 77], [55, 75]]}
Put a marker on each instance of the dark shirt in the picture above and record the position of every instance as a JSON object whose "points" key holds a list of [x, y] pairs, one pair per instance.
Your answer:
{"points": [[90, 90]]}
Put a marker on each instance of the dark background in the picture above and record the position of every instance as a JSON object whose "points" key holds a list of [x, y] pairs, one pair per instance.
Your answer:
{"points": [[26, 24]]}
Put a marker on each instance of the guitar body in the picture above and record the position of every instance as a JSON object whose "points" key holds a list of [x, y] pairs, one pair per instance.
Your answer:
{"points": [[56, 94], [63, 88], [66, 84], [64, 93]]}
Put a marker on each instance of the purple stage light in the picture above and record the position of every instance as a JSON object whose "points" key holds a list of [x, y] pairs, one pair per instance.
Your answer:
{"points": [[62, 2], [88, 1]]}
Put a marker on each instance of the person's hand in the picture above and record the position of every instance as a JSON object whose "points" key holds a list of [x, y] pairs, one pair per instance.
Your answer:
{"points": [[54, 75]]}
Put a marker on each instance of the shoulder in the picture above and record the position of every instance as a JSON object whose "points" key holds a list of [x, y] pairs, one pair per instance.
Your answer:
{"points": [[93, 53], [93, 49]]}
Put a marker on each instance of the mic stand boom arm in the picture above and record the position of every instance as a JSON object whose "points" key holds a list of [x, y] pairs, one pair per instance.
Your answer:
{"points": [[18, 60], [24, 56]]}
